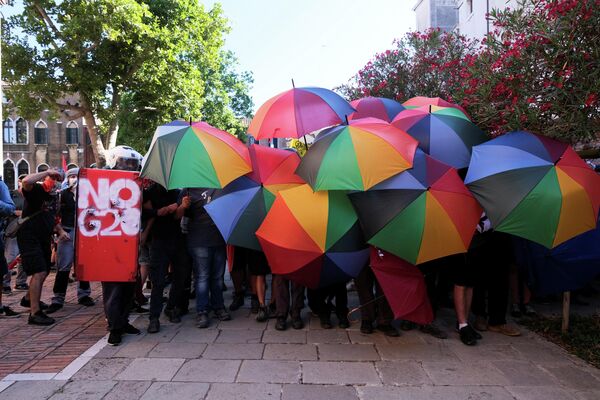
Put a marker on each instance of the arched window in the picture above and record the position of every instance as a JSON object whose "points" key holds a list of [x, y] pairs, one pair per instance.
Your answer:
{"points": [[42, 167], [9, 174], [8, 131], [71, 166], [72, 132], [22, 131], [41, 132], [22, 167]]}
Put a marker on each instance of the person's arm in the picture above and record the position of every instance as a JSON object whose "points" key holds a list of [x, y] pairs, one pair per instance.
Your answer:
{"points": [[186, 202], [7, 206], [31, 179]]}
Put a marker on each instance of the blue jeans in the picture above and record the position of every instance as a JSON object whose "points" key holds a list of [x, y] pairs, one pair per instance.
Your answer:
{"points": [[209, 268]]}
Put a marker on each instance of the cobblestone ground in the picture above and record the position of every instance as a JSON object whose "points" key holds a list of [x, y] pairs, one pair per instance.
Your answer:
{"points": [[242, 359]]}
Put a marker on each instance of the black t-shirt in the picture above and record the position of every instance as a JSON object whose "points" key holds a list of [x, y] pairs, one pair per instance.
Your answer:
{"points": [[202, 231], [38, 199], [68, 209], [167, 226]]}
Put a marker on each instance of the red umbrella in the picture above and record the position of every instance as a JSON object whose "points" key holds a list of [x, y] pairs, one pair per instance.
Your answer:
{"points": [[297, 112], [432, 101], [404, 287], [376, 107]]}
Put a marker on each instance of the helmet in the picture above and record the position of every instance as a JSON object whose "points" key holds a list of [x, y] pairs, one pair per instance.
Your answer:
{"points": [[123, 158]]}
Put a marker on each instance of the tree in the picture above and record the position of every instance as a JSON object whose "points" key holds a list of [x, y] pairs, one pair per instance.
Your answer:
{"points": [[128, 62]]}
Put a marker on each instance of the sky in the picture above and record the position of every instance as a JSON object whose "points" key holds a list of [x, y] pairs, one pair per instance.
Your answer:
{"points": [[314, 42]]}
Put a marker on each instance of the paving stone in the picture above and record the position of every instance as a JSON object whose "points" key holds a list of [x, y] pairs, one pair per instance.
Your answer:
{"points": [[195, 335], [135, 349], [347, 352], [102, 369], [177, 350], [223, 351], [327, 336], [298, 352], [243, 323], [287, 336], [587, 395], [267, 371], [533, 350], [208, 371], [571, 376], [484, 351], [176, 390], [127, 390], [434, 393], [305, 319], [31, 390], [84, 390], [329, 392], [239, 336], [244, 391], [540, 393], [402, 373], [147, 369], [416, 351], [461, 373], [524, 373], [373, 338], [166, 333], [107, 352], [344, 373]]}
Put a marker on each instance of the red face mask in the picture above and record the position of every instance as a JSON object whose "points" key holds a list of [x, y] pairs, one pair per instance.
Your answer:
{"points": [[48, 184]]}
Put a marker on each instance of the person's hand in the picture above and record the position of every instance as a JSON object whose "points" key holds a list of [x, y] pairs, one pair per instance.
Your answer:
{"points": [[18, 212], [55, 174], [186, 202], [161, 212], [63, 236]]}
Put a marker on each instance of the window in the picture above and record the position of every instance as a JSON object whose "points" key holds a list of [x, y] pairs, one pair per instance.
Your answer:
{"points": [[9, 131], [41, 133], [22, 168], [22, 131], [9, 174], [470, 6], [42, 167], [72, 133]]}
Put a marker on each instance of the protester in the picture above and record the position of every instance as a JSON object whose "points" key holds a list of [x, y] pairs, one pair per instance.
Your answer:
{"points": [[239, 274], [66, 247], [208, 252], [7, 208], [11, 248], [35, 236], [283, 288], [319, 302], [258, 268], [374, 307]]}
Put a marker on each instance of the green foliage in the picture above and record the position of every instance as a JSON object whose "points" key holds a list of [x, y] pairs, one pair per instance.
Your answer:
{"points": [[132, 64]]}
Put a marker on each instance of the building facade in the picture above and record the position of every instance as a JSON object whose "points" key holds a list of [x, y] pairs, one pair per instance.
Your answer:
{"points": [[36, 145], [441, 14], [472, 16]]}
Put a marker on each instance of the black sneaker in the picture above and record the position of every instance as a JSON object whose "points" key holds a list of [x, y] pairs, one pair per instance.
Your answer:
{"points": [[54, 307], [27, 304], [297, 323], [222, 315], [22, 286], [86, 301], [475, 334], [153, 326], [6, 290], [434, 331], [263, 314], [174, 316], [388, 330], [7, 312], [114, 338], [467, 336], [281, 324], [325, 322], [202, 320], [39, 318], [131, 330], [407, 325], [137, 309], [343, 322], [254, 304], [237, 302], [366, 327]]}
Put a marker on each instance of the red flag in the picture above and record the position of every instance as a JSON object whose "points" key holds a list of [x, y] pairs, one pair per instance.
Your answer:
{"points": [[64, 163]]}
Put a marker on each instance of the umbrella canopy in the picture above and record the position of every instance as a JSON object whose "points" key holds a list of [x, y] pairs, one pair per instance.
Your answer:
{"points": [[376, 107], [194, 155], [313, 237], [534, 187], [297, 112], [444, 133], [420, 101], [404, 287], [357, 156], [240, 208], [421, 214]]}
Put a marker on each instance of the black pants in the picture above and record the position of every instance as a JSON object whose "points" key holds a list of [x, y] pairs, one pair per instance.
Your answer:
{"points": [[492, 285], [281, 292], [371, 310], [117, 298], [165, 252], [317, 300], [61, 281]]}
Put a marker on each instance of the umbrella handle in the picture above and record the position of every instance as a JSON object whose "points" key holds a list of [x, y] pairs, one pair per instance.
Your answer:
{"points": [[361, 306]]}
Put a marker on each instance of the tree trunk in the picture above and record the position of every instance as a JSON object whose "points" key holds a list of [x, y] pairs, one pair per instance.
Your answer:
{"points": [[111, 140], [95, 139]]}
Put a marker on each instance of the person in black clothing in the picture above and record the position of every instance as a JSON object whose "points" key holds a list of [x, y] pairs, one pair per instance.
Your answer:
{"points": [[318, 302], [65, 252], [373, 304], [11, 249], [35, 236], [167, 247]]}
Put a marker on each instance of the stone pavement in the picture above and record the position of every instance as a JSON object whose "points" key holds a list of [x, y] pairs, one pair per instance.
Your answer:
{"points": [[243, 359]]}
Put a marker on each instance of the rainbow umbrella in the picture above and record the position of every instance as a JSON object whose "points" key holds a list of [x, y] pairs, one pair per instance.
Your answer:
{"points": [[313, 237], [297, 112], [421, 214], [194, 155], [420, 101], [357, 156], [534, 187], [444, 133], [240, 208], [376, 107]]}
